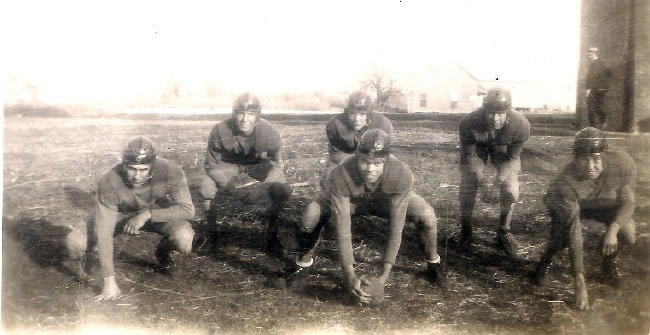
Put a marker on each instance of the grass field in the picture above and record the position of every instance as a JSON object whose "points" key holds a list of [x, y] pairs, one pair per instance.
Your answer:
{"points": [[49, 170]]}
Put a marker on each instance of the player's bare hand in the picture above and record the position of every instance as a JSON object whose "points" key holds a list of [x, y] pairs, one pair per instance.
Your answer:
{"points": [[581, 296], [360, 295], [110, 291], [610, 244], [136, 222]]}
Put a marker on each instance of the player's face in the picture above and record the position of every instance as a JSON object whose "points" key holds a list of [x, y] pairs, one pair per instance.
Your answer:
{"points": [[137, 174], [590, 166], [371, 168], [495, 120], [357, 120], [246, 121]]}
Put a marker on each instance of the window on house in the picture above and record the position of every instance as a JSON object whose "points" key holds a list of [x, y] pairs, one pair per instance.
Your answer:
{"points": [[423, 100]]}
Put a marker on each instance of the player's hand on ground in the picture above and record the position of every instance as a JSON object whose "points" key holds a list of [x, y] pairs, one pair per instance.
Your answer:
{"points": [[581, 296], [582, 300], [110, 291], [376, 290], [359, 294], [610, 244], [136, 222]]}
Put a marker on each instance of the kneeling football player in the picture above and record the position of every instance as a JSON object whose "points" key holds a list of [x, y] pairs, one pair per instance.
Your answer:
{"points": [[246, 143]]}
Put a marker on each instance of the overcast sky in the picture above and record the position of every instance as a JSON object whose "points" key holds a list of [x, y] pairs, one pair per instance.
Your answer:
{"points": [[113, 51]]}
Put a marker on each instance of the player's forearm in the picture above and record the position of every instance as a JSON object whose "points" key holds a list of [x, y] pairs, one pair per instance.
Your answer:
{"points": [[627, 202], [277, 168], [344, 242], [385, 272], [343, 223], [396, 222], [576, 255], [393, 243], [105, 220], [212, 159], [178, 212], [181, 207]]}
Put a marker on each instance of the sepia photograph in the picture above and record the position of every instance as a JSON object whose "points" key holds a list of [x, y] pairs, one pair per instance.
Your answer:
{"points": [[326, 167]]}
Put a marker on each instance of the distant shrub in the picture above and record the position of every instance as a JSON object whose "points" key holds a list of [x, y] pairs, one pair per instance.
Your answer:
{"points": [[35, 111]]}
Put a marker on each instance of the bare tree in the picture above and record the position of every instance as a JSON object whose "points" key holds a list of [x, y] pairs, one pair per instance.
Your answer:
{"points": [[382, 86]]}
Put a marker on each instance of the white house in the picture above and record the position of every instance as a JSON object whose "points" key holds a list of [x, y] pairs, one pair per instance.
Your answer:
{"points": [[450, 88]]}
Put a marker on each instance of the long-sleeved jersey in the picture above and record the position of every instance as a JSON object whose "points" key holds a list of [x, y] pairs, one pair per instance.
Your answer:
{"points": [[226, 144], [612, 189], [503, 145]]}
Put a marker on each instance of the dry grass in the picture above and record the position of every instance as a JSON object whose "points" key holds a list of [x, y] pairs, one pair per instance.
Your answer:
{"points": [[49, 172]]}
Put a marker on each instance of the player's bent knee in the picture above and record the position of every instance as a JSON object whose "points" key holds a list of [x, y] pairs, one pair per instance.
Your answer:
{"points": [[182, 237], [76, 243], [422, 212], [429, 219], [310, 217], [207, 187], [279, 192]]}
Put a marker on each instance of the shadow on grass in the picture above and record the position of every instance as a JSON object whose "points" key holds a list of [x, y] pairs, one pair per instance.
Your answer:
{"points": [[43, 242]]}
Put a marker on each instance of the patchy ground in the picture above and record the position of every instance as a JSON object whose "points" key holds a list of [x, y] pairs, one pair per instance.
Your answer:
{"points": [[50, 166]]}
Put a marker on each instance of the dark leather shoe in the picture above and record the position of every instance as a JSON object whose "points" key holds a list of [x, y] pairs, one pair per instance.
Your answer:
{"points": [[166, 260], [538, 277], [275, 248], [462, 242], [437, 276], [507, 243]]}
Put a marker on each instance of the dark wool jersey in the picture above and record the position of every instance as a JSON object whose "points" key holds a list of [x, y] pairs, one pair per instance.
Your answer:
{"points": [[503, 145], [342, 137], [166, 192], [346, 181], [598, 75], [345, 185], [166, 195], [612, 189], [227, 145]]}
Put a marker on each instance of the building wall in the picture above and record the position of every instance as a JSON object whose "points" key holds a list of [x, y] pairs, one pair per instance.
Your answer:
{"points": [[442, 86], [641, 97], [619, 28]]}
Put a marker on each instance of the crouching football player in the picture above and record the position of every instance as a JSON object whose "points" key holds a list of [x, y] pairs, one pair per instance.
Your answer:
{"points": [[598, 185], [376, 183], [246, 143], [497, 132], [143, 193]]}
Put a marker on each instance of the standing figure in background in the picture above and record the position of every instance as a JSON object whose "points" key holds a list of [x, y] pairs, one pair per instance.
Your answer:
{"points": [[596, 87], [497, 133]]}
